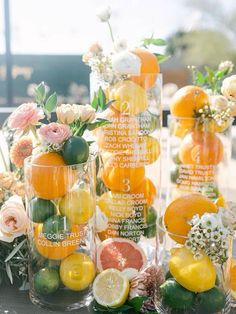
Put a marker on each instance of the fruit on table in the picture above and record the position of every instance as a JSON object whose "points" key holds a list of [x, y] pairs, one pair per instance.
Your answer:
{"points": [[149, 68], [148, 122], [49, 178], [120, 175], [147, 192], [196, 275], [57, 250], [220, 201], [176, 296], [148, 149], [77, 271], [41, 210], [181, 126], [78, 206], [211, 301], [129, 229], [180, 212], [120, 253], [202, 148], [120, 135], [187, 100], [46, 281], [75, 150], [130, 98], [111, 288], [56, 228]]}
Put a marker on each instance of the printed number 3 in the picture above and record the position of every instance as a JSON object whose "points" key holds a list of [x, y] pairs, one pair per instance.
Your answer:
{"points": [[126, 183]]}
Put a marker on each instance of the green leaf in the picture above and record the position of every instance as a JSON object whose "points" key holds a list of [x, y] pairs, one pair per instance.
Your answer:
{"points": [[154, 41], [137, 303], [9, 272], [221, 74], [162, 58], [98, 123], [94, 103], [40, 93], [15, 250], [101, 99], [51, 102], [200, 78]]}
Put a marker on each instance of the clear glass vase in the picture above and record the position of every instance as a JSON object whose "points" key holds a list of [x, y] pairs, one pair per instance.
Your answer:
{"points": [[61, 233], [128, 185]]}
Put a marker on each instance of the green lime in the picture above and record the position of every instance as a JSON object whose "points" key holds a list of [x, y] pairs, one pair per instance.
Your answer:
{"points": [[151, 229], [130, 230], [174, 174], [56, 228], [53, 264], [75, 150], [46, 281], [41, 210], [175, 156], [168, 275], [175, 296], [211, 301]]}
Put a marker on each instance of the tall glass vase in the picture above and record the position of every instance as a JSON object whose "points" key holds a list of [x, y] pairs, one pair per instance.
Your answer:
{"points": [[61, 209], [128, 187]]}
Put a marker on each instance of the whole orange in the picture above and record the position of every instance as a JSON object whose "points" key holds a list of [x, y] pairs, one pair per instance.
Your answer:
{"points": [[187, 100], [50, 177], [179, 213], [149, 68], [201, 148]]}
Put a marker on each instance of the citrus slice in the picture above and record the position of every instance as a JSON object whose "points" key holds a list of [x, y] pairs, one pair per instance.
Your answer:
{"points": [[111, 288], [233, 278], [120, 254]]}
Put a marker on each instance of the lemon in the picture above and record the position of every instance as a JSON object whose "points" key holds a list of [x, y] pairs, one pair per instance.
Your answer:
{"points": [[111, 288], [196, 275], [78, 206], [220, 201], [129, 97], [77, 271]]}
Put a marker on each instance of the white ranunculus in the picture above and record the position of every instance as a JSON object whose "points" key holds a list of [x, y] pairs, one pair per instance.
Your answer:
{"points": [[228, 88], [126, 62], [226, 65], [120, 45], [86, 113], [104, 14], [218, 102]]}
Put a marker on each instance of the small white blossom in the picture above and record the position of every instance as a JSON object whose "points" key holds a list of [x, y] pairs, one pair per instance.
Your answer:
{"points": [[104, 14], [209, 221], [226, 65], [120, 45], [195, 220], [126, 62]]}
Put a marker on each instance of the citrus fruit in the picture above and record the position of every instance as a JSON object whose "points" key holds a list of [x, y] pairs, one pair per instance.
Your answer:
{"points": [[179, 213], [121, 134], [182, 126], [130, 98], [220, 201], [57, 250], [120, 253], [149, 68], [46, 281], [196, 275], [78, 206], [211, 301], [176, 296], [148, 122], [50, 178], [40, 209], [121, 175], [56, 228], [202, 148], [146, 192], [187, 100], [75, 150], [233, 278], [77, 271], [148, 149], [213, 126], [111, 288]]}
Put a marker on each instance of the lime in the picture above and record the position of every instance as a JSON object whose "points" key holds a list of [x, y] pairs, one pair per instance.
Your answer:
{"points": [[41, 210], [46, 281], [211, 301], [151, 219], [174, 174], [75, 150], [56, 228], [176, 296], [130, 230], [53, 264]]}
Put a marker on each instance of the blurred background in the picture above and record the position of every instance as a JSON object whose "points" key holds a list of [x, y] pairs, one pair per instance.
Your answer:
{"points": [[45, 40]]}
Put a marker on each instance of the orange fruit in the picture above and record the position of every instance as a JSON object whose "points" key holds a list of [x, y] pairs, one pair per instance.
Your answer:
{"points": [[233, 278], [187, 100], [121, 175], [149, 68], [50, 177], [148, 149], [120, 135], [201, 148], [147, 191], [120, 253], [181, 211], [181, 127], [57, 250]]}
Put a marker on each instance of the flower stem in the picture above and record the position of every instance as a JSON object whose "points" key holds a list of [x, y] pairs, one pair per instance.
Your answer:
{"points": [[34, 132], [111, 33]]}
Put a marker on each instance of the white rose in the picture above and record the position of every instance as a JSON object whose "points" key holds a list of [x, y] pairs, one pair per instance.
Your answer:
{"points": [[86, 113], [218, 102], [104, 14], [67, 113], [126, 63], [228, 88], [13, 219], [120, 45], [226, 65]]}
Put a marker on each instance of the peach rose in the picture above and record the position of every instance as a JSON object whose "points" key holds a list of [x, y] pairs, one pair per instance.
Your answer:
{"points": [[67, 113], [24, 116], [13, 219], [228, 88], [54, 133], [86, 113]]}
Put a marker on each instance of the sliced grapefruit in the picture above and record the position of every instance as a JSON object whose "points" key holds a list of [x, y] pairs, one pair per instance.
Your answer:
{"points": [[120, 254]]}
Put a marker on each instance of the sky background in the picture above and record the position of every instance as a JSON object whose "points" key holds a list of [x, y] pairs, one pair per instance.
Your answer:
{"points": [[70, 26]]}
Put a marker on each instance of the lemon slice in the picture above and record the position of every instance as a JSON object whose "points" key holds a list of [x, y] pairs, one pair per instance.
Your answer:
{"points": [[111, 288]]}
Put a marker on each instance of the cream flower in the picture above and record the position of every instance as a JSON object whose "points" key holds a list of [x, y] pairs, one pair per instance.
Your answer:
{"points": [[126, 62], [229, 215], [67, 113], [228, 88], [104, 14], [218, 102], [6, 180], [232, 107], [13, 219], [120, 45], [86, 113], [209, 221], [226, 65]]}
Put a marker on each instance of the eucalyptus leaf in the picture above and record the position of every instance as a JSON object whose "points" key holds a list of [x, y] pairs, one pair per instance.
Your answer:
{"points": [[15, 250], [40, 93], [162, 58], [200, 78], [154, 41], [51, 102], [94, 102], [9, 272], [101, 99], [98, 123]]}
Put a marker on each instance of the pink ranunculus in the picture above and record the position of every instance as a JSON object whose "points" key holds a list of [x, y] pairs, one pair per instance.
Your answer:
{"points": [[54, 133], [24, 116]]}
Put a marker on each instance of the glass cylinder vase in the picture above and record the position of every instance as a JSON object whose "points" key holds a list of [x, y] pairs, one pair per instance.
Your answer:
{"points": [[128, 185], [61, 204]]}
